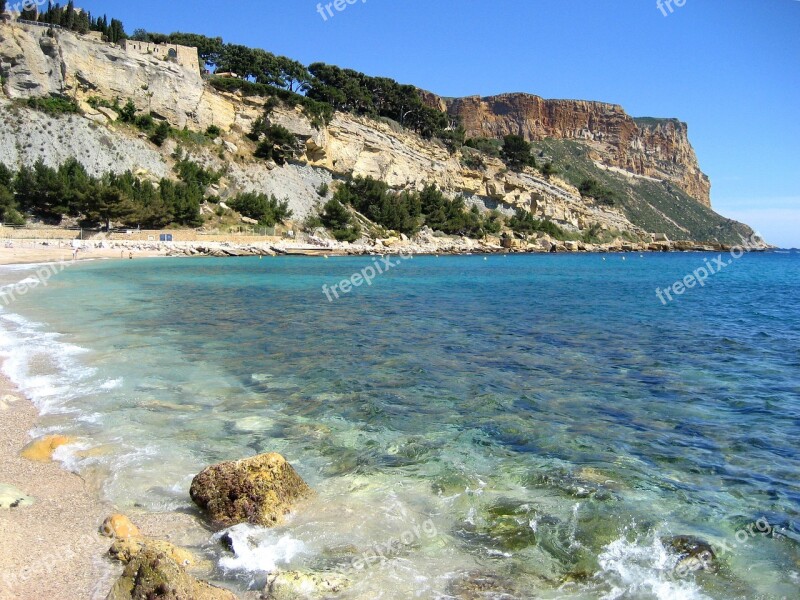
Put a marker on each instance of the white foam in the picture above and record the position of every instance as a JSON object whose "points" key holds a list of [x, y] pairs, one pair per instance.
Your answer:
{"points": [[644, 569], [259, 550], [44, 368]]}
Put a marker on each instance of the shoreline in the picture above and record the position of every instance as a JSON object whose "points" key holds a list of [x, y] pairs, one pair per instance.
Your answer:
{"points": [[35, 252], [52, 548]]}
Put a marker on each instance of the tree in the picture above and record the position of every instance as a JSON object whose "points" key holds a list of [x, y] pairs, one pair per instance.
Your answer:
{"points": [[128, 112], [339, 221], [268, 211], [140, 35], [161, 134], [548, 170], [69, 16], [107, 204], [2, 6], [116, 31], [516, 153]]}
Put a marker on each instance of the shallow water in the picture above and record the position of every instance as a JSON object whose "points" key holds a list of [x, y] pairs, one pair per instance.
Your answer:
{"points": [[539, 422]]}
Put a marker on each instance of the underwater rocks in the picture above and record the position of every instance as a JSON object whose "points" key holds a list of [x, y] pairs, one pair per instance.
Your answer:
{"points": [[153, 574], [12, 497], [297, 585], [42, 450], [258, 490], [482, 586]]}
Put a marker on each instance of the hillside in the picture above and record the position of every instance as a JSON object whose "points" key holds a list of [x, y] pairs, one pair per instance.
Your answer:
{"points": [[649, 165]]}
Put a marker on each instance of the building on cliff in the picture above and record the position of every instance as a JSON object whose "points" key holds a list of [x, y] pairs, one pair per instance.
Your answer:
{"points": [[185, 56]]}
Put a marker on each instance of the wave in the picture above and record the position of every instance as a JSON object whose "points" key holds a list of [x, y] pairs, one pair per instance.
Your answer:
{"points": [[46, 369], [644, 568]]}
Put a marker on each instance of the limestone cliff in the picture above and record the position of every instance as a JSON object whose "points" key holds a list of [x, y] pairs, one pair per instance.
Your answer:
{"points": [[640, 158], [657, 148]]}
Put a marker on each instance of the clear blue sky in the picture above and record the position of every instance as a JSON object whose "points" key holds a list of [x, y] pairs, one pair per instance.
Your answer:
{"points": [[730, 68]]}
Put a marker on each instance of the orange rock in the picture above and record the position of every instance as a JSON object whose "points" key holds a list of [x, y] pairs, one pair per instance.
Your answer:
{"points": [[42, 450], [119, 526]]}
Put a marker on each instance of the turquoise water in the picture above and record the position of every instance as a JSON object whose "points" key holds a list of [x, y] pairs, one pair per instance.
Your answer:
{"points": [[540, 422]]}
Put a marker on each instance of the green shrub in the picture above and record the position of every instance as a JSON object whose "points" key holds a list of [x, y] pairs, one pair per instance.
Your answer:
{"points": [[340, 222], [161, 134], [213, 131], [268, 211], [592, 188], [54, 105]]}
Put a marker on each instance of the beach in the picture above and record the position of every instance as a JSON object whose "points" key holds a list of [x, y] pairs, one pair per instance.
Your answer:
{"points": [[51, 549]]}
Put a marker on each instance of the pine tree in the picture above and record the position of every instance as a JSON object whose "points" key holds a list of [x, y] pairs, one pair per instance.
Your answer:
{"points": [[2, 6], [69, 16]]}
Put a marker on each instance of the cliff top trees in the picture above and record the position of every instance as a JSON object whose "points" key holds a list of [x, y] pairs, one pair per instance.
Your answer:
{"points": [[2, 6]]}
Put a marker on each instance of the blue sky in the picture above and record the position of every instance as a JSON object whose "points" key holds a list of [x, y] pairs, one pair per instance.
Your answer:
{"points": [[731, 68]]}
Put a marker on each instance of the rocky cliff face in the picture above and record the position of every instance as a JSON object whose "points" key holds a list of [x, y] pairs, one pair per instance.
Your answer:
{"points": [[640, 156], [657, 148]]}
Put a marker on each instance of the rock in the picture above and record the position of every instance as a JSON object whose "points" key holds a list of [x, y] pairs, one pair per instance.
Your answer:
{"points": [[695, 554], [481, 586], [110, 114], [42, 450], [119, 526], [13, 497], [297, 585], [127, 549], [249, 221], [231, 147], [153, 575], [258, 490]]}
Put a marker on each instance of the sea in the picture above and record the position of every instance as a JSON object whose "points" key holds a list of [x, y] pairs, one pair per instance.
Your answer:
{"points": [[503, 426]]}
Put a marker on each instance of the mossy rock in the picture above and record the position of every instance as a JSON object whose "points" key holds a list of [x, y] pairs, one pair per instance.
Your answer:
{"points": [[153, 575], [259, 490]]}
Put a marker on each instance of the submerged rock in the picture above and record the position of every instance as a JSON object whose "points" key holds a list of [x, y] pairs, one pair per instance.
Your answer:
{"points": [[695, 554], [153, 574], [258, 490], [481, 586], [297, 585], [119, 526], [13, 497], [42, 450]]}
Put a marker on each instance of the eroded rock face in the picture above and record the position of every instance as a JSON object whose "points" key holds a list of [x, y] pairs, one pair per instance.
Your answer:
{"points": [[258, 490], [154, 575], [651, 147]]}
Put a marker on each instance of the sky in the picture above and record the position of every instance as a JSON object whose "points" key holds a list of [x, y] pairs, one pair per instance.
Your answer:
{"points": [[729, 68]]}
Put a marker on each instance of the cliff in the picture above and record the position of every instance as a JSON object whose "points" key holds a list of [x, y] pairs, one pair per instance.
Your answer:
{"points": [[648, 163], [657, 148]]}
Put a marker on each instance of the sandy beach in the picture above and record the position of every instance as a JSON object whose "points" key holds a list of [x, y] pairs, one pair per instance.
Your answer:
{"points": [[51, 549], [35, 252]]}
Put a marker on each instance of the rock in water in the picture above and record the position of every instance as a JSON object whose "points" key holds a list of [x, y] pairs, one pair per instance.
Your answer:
{"points": [[152, 574], [42, 450], [258, 490], [695, 554], [296, 585]]}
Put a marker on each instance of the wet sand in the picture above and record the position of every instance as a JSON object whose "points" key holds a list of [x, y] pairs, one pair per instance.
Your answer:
{"points": [[51, 549]]}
